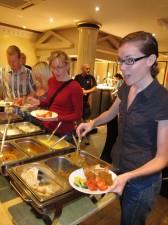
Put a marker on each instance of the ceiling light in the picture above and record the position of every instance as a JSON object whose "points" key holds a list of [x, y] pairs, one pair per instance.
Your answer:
{"points": [[24, 27], [97, 8], [76, 20], [51, 20], [153, 34]]}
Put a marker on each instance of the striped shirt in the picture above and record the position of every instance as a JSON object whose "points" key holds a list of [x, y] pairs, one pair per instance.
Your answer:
{"points": [[20, 82]]}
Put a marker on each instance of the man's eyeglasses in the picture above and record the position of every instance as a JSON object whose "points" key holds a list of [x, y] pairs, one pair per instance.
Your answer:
{"points": [[130, 60]]}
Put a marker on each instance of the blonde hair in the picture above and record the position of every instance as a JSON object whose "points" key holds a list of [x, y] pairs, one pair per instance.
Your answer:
{"points": [[41, 71], [59, 55]]}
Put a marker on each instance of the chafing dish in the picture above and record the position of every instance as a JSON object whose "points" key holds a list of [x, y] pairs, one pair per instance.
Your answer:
{"points": [[20, 129], [44, 139], [84, 159], [36, 150], [27, 127], [13, 117], [30, 146], [11, 131], [58, 170], [45, 190], [10, 156]]}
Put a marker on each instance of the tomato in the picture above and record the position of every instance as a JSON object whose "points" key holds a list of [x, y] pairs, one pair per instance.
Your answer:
{"points": [[91, 185], [101, 184]]}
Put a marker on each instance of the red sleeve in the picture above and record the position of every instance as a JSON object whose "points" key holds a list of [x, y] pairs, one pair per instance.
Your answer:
{"points": [[77, 102]]}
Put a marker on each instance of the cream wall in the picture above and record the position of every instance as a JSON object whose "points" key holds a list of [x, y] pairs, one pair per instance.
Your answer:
{"points": [[23, 39]]}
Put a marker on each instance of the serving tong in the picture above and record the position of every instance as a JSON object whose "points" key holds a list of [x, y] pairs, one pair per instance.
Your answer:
{"points": [[77, 143], [54, 131], [60, 139], [4, 134]]}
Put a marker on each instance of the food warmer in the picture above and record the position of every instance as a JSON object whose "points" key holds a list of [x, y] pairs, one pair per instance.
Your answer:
{"points": [[29, 149], [20, 129], [44, 184]]}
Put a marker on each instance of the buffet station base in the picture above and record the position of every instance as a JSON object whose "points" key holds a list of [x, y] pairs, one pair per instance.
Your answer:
{"points": [[35, 171], [14, 211]]}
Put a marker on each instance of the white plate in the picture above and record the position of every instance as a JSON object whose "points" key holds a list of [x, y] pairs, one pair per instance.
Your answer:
{"points": [[37, 112], [80, 173], [5, 103]]}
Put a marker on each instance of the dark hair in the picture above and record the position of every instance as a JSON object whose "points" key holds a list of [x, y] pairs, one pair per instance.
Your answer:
{"points": [[148, 45], [119, 76]]}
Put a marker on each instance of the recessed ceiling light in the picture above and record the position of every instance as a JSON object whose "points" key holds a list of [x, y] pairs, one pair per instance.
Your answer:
{"points": [[51, 20], [76, 20], [97, 8], [24, 27]]}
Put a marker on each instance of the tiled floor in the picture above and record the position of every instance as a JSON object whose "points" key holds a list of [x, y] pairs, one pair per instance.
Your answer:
{"points": [[111, 214]]}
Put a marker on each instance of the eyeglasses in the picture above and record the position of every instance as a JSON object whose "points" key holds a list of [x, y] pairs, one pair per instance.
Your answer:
{"points": [[130, 60]]}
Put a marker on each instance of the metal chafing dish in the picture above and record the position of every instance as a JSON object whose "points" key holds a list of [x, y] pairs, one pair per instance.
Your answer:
{"points": [[28, 127], [13, 117], [44, 139], [54, 171], [31, 149], [30, 146], [21, 129], [11, 156]]}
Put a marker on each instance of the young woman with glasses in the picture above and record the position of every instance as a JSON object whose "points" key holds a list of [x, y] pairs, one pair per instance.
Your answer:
{"points": [[141, 148]]}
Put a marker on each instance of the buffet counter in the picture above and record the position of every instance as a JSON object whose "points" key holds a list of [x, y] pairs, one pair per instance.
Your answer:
{"points": [[16, 212]]}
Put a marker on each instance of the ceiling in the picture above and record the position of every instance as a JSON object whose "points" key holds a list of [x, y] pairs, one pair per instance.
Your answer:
{"points": [[117, 17]]}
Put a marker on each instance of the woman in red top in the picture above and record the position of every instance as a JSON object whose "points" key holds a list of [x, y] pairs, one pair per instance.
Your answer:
{"points": [[68, 102]]}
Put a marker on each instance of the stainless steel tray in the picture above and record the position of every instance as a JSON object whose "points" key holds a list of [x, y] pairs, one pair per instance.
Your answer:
{"points": [[61, 145], [17, 130], [30, 146], [11, 156], [59, 168], [27, 127], [84, 159], [40, 180]]}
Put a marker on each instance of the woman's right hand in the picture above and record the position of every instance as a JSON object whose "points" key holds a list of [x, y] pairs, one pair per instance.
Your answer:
{"points": [[33, 101], [84, 128]]}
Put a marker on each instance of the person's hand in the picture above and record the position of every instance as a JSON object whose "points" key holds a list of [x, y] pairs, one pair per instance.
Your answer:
{"points": [[84, 91], [119, 184], [84, 128], [33, 101]]}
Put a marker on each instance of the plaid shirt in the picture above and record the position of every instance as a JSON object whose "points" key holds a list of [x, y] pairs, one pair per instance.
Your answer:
{"points": [[20, 82]]}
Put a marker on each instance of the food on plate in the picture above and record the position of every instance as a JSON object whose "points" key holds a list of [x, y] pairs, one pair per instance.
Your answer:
{"points": [[47, 114], [19, 101], [96, 178]]}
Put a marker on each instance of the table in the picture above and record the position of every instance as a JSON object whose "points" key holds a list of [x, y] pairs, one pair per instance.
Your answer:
{"points": [[13, 211]]}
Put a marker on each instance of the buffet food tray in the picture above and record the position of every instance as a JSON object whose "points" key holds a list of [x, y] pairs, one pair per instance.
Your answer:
{"points": [[34, 180], [20, 129], [13, 117], [11, 156], [49, 143], [28, 149]]}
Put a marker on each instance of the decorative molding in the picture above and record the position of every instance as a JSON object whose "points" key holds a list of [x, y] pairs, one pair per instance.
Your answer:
{"points": [[111, 40], [6, 30], [51, 40]]}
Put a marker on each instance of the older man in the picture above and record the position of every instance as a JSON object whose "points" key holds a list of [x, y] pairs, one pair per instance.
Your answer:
{"points": [[88, 84], [19, 77]]}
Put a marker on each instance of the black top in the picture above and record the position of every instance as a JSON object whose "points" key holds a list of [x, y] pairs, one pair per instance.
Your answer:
{"points": [[87, 82], [137, 139]]}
